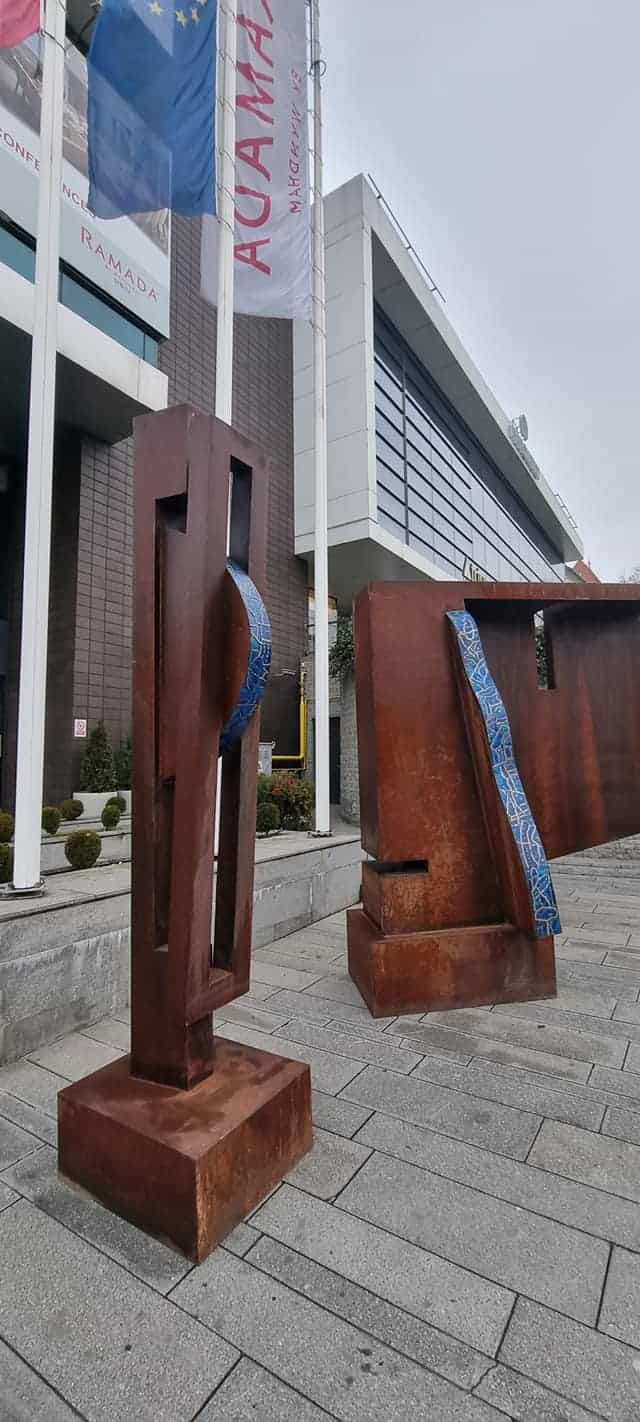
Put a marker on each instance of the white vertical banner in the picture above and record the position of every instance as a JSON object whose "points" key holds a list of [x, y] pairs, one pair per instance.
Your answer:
{"points": [[272, 247]]}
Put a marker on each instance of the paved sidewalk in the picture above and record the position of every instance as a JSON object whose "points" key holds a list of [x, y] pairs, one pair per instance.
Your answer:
{"points": [[462, 1245]]}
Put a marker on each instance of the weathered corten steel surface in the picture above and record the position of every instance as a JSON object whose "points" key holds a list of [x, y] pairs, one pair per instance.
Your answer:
{"points": [[188, 1134], [444, 857], [187, 1165]]}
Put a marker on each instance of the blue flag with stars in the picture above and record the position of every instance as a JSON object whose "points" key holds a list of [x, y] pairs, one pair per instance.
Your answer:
{"points": [[152, 77]]}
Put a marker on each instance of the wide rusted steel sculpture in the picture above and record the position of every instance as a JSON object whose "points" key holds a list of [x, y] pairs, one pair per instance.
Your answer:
{"points": [[191, 1131], [472, 777]]}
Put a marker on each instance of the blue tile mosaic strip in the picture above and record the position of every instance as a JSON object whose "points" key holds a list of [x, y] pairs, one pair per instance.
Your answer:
{"points": [[507, 778], [259, 658]]}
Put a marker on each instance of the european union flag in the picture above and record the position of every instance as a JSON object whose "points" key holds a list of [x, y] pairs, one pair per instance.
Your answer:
{"points": [[152, 81]]}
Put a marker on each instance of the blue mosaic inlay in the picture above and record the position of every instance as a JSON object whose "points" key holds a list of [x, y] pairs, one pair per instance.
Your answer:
{"points": [[259, 658], [507, 778]]}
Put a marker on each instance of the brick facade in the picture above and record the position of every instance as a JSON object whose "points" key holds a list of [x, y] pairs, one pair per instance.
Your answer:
{"points": [[89, 662]]}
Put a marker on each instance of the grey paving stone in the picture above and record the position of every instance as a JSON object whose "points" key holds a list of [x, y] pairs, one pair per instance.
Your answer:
{"points": [[37, 1179], [429, 1038], [619, 959], [309, 954], [241, 1239], [30, 1118], [108, 1343], [259, 992], [442, 1294], [527, 1401], [23, 1395], [591, 1370], [608, 1164], [620, 1083], [7, 1197], [576, 1021], [329, 1073], [329, 1165], [331, 1113], [111, 1031], [276, 976], [251, 1394], [75, 1056], [33, 1084], [14, 1143], [324, 1009], [624, 1125], [428, 1346], [620, 1316], [628, 1012], [578, 953], [632, 1062], [616, 982], [532, 1255], [571, 1000], [496, 1127], [512, 1091], [579, 1046], [613, 937], [246, 1016], [338, 987], [337, 1366], [581, 1206], [379, 1051]]}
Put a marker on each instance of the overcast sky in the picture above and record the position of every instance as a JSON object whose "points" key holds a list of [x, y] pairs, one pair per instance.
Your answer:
{"points": [[505, 134]]}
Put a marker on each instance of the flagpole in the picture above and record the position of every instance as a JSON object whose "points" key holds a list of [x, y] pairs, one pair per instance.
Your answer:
{"points": [[321, 570], [226, 212], [37, 537]]}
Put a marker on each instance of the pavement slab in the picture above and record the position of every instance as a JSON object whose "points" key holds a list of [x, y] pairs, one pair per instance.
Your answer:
{"points": [[579, 1363]]}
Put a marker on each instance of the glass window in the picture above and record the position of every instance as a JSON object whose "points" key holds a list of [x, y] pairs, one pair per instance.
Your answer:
{"points": [[311, 619], [17, 253]]}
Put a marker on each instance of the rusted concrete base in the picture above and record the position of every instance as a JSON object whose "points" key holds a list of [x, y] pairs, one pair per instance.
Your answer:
{"points": [[187, 1165], [453, 967]]}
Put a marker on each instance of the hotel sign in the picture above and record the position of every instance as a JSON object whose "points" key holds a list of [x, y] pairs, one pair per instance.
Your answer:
{"points": [[127, 258]]}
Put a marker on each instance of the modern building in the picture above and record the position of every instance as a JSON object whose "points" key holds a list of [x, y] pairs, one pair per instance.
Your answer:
{"points": [[428, 477], [133, 335]]}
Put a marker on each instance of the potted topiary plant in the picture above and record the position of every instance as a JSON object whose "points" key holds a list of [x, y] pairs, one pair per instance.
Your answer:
{"points": [[51, 819], [82, 849], [71, 809], [123, 758], [111, 815], [97, 772], [6, 826], [119, 802]]}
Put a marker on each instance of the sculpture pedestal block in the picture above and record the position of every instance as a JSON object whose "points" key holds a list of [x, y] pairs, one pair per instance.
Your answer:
{"points": [[446, 968], [187, 1165]]}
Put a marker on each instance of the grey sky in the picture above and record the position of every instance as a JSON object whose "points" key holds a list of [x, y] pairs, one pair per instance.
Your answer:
{"points": [[505, 135]]}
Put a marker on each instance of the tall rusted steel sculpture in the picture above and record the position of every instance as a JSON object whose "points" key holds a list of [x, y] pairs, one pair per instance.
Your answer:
{"points": [[188, 1133], [471, 776]]}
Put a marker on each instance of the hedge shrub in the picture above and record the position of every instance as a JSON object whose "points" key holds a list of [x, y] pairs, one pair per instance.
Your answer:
{"points": [[97, 769], [293, 796], [82, 849], [6, 826], [71, 809], [268, 818], [119, 801], [123, 759], [6, 863], [51, 819]]}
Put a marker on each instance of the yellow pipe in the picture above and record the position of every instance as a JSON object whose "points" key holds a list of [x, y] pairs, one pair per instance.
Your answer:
{"points": [[301, 758]]}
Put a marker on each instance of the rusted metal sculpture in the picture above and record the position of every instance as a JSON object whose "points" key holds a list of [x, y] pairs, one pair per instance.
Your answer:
{"points": [[472, 775], [191, 1131]]}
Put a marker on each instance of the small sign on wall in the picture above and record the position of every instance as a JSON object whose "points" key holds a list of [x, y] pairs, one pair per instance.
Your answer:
{"points": [[80, 730]]}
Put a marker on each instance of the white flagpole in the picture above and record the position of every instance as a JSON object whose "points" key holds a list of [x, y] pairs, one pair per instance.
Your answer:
{"points": [[37, 540], [228, 44], [321, 571]]}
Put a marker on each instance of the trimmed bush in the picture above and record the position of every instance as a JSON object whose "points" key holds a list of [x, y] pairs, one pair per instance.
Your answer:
{"points": [[6, 826], [6, 863], [119, 801], [268, 818], [51, 819], [71, 809], [123, 759], [294, 797], [82, 849], [97, 769], [110, 816]]}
